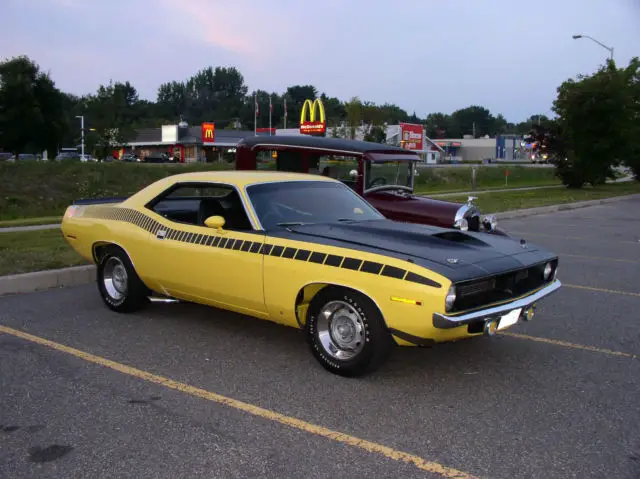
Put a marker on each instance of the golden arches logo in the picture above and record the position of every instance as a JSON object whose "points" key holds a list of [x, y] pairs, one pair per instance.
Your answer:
{"points": [[313, 125], [208, 132]]}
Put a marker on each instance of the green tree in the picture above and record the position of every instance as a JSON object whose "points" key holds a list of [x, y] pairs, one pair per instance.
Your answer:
{"points": [[472, 119], [632, 158], [212, 94], [31, 108], [355, 113], [596, 124], [438, 125], [110, 115]]}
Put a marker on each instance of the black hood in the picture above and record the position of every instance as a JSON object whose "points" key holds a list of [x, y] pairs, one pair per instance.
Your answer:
{"points": [[458, 255]]}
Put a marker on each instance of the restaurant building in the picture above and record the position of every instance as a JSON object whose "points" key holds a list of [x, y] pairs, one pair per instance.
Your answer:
{"points": [[187, 144]]}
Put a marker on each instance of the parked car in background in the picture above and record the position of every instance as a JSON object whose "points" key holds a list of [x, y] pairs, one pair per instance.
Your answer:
{"points": [[383, 175], [24, 157], [158, 158]]}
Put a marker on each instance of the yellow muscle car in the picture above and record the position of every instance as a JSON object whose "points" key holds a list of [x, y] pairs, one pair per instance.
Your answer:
{"points": [[306, 251]]}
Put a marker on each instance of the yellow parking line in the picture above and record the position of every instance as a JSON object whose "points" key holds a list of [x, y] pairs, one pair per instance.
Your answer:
{"points": [[372, 447], [567, 344], [601, 290]]}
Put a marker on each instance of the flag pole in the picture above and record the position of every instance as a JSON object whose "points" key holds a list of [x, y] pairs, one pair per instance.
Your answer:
{"points": [[285, 113], [255, 114], [270, 111]]}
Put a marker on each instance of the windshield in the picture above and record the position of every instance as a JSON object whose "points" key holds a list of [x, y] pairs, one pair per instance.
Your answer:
{"points": [[388, 174], [303, 202]]}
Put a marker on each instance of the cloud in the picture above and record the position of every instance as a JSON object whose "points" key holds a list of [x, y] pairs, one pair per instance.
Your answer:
{"points": [[231, 26]]}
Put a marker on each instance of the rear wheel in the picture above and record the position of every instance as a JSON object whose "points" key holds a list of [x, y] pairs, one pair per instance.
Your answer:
{"points": [[120, 287], [347, 333]]}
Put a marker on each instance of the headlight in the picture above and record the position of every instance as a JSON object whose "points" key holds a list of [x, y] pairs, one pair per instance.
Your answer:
{"points": [[450, 299], [462, 224], [548, 271], [490, 222]]}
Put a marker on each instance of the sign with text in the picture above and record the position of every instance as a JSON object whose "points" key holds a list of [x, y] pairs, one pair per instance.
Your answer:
{"points": [[412, 136], [315, 125], [208, 132]]}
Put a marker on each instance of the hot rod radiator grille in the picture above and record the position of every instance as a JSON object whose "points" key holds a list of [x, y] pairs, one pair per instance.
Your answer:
{"points": [[476, 294], [474, 223]]}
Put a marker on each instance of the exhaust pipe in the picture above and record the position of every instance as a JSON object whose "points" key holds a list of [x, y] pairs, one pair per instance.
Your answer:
{"points": [[529, 313], [490, 327]]}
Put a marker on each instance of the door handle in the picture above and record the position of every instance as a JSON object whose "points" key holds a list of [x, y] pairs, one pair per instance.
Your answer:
{"points": [[161, 234]]}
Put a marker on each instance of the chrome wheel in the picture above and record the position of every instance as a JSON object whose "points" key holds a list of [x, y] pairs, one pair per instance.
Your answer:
{"points": [[341, 330], [115, 279]]}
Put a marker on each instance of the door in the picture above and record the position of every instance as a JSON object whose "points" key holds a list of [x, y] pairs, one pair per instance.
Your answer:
{"points": [[195, 262]]}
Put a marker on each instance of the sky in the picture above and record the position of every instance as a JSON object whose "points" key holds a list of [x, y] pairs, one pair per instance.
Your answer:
{"points": [[425, 56]]}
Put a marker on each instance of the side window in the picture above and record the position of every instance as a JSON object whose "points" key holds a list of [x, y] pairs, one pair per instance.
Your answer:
{"points": [[194, 203], [343, 168], [266, 160]]}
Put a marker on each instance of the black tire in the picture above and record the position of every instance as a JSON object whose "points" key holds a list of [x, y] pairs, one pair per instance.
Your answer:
{"points": [[127, 295], [364, 356]]}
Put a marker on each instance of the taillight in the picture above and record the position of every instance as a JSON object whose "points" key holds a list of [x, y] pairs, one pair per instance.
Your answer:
{"points": [[71, 211]]}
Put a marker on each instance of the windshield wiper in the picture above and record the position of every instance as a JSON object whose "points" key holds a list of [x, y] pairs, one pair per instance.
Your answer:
{"points": [[293, 223], [344, 220]]}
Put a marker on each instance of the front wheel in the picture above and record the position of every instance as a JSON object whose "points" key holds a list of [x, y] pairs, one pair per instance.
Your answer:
{"points": [[118, 283], [347, 333]]}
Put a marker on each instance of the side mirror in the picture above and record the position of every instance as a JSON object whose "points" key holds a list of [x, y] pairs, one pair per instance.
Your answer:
{"points": [[216, 222]]}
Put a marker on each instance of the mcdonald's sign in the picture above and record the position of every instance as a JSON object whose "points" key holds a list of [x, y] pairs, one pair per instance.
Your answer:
{"points": [[208, 132], [317, 122]]}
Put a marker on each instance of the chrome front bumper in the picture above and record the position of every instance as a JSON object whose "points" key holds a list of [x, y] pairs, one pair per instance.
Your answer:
{"points": [[442, 321]]}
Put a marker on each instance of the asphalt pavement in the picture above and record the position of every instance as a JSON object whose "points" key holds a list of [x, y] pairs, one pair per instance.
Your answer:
{"points": [[182, 390]]}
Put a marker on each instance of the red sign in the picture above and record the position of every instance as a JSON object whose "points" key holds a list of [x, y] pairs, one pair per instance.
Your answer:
{"points": [[208, 132], [316, 124], [267, 131], [412, 136]]}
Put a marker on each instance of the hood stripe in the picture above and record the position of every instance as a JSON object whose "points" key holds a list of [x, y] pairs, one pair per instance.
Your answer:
{"points": [[139, 219]]}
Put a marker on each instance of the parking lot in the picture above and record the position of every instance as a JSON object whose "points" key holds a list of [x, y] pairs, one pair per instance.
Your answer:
{"points": [[187, 391]]}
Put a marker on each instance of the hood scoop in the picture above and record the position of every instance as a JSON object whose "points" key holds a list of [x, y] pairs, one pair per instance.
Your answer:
{"points": [[459, 237]]}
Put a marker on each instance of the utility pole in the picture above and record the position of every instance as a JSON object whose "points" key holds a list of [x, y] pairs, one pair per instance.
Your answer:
{"points": [[575, 37], [81, 136]]}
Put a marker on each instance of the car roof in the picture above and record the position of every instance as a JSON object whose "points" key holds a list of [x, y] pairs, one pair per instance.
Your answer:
{"points": [[243, 178], [323, 143]]}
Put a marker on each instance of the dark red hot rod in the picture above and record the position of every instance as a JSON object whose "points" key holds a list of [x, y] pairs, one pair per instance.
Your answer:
{"points": [[382, 174]]}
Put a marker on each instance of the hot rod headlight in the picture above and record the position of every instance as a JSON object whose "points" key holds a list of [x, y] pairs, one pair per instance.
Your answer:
{"points": [[450, 299], [489, 222], [462, 224]]}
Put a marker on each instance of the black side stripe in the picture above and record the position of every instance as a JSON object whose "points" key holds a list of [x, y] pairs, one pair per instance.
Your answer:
{"points": [[147, 223]]}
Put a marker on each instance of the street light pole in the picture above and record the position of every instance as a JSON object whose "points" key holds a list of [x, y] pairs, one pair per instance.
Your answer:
{"points": [[82, 135], [575, 37]]}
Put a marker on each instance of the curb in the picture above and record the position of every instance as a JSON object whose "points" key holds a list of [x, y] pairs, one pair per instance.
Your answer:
{"points": [[18, 229], [41, 280], [504, 215]]}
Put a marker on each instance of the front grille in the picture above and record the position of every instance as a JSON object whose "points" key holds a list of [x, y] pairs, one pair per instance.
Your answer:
{"points": [[480, 293]]}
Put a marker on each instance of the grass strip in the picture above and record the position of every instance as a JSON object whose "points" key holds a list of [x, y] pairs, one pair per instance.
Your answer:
{"points": [[516, 200], [27, 251], [38, 189]]}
